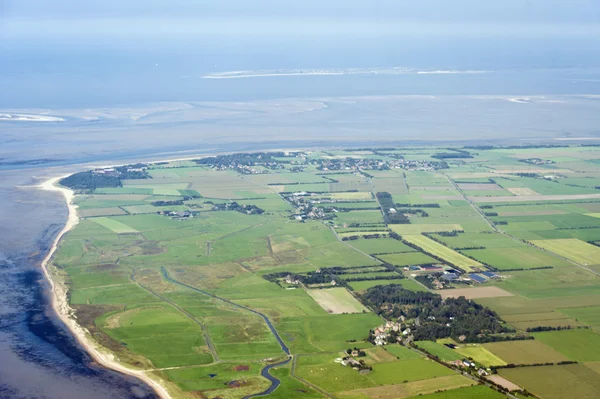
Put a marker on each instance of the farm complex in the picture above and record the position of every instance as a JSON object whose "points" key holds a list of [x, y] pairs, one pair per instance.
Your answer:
{"points": [[437, 273]]}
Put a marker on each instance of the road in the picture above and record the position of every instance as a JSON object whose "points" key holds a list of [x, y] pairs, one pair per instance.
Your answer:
{"points": [[265, 372]]}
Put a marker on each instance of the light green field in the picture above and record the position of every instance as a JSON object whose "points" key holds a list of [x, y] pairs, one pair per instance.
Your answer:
{"points": [[380, 246], [336, 300], [114, 225], [408, 258], [410, 389], [525, 352], [556, 382], [589, 315], [579, 345], [475, 392], [573, 249], [443, 352], [516, 258], [407, 370], [95, 212], [413, 229], [480, 354], [441, 251]]}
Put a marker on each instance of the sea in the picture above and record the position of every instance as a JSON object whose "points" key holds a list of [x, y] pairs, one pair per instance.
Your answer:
{"points": [[366, 90]]}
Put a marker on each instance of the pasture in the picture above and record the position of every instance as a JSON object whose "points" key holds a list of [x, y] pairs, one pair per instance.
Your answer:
{"points": [[556, 382], [409, 389], [114, 225], [407, 370], [407, 258], [573, 249], [474, 392], [441, 251], [380, 246], [480, 354], [415, 229], [580, 345], [336, 300], [515, 258], [525, 352], [436, 349]]}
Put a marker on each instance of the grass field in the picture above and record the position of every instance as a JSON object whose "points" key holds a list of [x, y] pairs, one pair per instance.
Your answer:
{"points": [[579, 345], [572, 249], [443, 352], [441, 251], [336, 300], [408, 258], [409, 389], [515, 258], [556, 382], [480, 354], [114, 225], [407, 370], [525, 352], [380, 246], [589, 315], [414, 229], [476, 392]]}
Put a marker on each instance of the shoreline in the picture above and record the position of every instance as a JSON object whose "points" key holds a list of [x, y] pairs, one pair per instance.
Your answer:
{"points": [[60, 303]]}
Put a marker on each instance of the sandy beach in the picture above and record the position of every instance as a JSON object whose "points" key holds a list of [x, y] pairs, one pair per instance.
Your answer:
{"points": [[65, 312]]}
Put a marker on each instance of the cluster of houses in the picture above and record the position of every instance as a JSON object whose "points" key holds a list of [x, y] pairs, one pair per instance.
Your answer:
{"points": [[385, 333], [305, 209], [537, 161], [352, 163], [470, 365], [177, 214]]}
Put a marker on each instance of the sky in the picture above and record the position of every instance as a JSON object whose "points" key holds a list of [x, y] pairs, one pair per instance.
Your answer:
{"points": [[55, 18]]}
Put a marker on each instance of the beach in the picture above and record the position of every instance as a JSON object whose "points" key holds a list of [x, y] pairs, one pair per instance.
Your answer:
{"points": [[60, 303]]}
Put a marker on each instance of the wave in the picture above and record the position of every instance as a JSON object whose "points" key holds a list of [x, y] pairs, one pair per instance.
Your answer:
{"points": [[335, 72]]}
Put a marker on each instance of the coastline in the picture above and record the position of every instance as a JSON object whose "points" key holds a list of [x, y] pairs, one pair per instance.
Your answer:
{"points": [[60, 303]]}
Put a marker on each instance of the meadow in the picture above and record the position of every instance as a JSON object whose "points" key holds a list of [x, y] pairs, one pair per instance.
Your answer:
{"points": [[445, 253], [556, 382], [208, 337]]}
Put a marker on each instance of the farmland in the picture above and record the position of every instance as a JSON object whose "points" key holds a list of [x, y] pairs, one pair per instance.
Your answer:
{"points": [[440, 251], [336, 300], [205, 271]]}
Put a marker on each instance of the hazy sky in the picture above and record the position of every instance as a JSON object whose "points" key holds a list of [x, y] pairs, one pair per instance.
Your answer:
{"points": [[30, 18]]}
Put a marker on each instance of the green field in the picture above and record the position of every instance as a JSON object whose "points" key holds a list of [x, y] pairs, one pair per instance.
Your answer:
{"points": [[115, 225], [441, 251], [336, 300], [413, 229], [380, 246], [578, 345], [556, 382], [189, 293], [572, 249], [515, 258], [480, 354], [477, 392], [525, 352], [443, 352], [409, 258]]}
